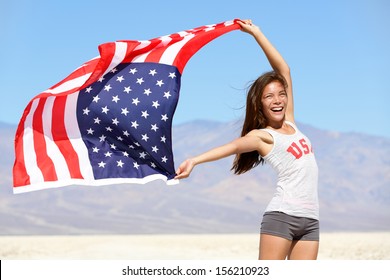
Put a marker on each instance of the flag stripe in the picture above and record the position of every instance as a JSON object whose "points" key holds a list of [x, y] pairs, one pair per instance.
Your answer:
{"points": [[62, 141]]}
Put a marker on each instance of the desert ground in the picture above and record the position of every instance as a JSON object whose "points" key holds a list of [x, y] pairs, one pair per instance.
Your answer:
{"points": [[333, 246]]}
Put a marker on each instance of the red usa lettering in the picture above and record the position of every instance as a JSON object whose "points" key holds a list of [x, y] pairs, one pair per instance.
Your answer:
{"points": [[298, 150]]}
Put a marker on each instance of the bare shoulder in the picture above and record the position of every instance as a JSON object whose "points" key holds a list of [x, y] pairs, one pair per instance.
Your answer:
{"points": [[264, 136]]}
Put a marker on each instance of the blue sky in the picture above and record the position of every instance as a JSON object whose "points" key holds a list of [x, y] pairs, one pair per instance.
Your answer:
{"points": [[338, 52]]}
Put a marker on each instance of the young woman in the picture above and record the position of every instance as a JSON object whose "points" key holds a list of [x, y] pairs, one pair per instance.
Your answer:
{"points": [[290, 225]]}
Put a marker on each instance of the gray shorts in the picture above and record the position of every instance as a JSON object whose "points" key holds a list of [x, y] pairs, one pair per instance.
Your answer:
{"points": [[290, 227]]}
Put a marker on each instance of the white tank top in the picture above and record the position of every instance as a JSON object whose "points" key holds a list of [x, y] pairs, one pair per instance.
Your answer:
{"points": [[293, 159]]}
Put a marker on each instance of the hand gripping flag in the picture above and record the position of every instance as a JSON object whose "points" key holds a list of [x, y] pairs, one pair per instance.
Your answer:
{"points": [[109, 122]]}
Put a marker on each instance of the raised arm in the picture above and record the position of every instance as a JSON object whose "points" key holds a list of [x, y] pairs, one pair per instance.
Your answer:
{"points": [[275, 59]]}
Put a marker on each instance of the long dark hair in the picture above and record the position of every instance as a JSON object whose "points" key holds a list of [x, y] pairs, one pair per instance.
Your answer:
{"points": [[255, 119]]}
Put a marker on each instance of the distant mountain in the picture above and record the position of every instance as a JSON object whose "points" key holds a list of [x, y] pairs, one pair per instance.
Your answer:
{"points": [[354, 191]]}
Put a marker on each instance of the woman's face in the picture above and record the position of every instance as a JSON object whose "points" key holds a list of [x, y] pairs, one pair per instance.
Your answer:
{"points": [[274, 102]]}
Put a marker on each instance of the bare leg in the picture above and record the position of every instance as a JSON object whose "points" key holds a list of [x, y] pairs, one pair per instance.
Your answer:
{"points": [[273, 247], [303, 250]]}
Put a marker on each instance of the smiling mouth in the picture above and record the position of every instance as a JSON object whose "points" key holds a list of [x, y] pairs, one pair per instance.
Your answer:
{"points": [[277, 109]]}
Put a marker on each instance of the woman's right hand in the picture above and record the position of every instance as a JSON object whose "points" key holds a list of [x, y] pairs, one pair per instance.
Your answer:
{"points": [[185, 169]]}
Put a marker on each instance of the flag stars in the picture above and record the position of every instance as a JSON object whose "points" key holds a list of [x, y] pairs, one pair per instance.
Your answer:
{"points": [[90, 131], [86, 111], [108, 129], [96, 98], [135, 101], [114, 70], [119, 79], [112, 146], [133, 71], [115, 99], [147, 91], [172, 75], [142, 155], [156, 104], [102, 164], [145, 137], [95, 149], [125, 154], [108, 154], [102, 138], [140, 81], [134, 124], [107, 87], [154, 127], [145, 114], [125, 133], [96, 120], [127, 89], [105, 110], [164, 159], [153, 72], [155, 149], [167, 94], [124, 111], [101, 79], [163, 139], [115, 121], [88, 89], [136, 165], [159, 83], [119, 163], [164, 117]]}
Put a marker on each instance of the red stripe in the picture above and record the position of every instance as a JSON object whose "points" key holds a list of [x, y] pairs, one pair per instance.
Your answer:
{"points": [[202, 38], [61, 138], [155, 55], [44, 162], [20, 176]]}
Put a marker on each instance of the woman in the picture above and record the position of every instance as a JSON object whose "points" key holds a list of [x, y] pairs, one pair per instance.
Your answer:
{"points": [[290, 226]]}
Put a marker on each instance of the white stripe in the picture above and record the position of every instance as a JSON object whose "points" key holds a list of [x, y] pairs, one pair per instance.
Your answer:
{"points": [[171, 52], [69, 85], [52, 149], [73, 132], [119, 56], [30, 158]]}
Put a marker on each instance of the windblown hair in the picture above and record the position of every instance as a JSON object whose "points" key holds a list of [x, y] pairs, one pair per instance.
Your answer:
{"points": [[255, 119]]}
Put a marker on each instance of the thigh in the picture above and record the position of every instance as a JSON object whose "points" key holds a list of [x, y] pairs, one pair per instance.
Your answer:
{"points": [[273, 247], [303, 250]]}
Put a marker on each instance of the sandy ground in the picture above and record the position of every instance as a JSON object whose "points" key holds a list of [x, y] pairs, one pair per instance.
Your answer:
{"points": [[333, 246]]}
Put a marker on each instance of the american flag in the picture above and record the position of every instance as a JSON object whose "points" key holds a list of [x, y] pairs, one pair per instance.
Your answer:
{"points": [[109, 121]]}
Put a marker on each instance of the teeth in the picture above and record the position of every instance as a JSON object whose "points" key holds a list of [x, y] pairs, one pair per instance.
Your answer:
{"points": [[277, 109]]}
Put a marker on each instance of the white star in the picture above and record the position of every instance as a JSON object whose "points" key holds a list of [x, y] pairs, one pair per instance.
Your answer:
{"points": [[142, 155], [154, 127], [97, 120], [134, 124], [125, 154], [108, 154], [115, 99], [88, 89], [102, 138], [140, 80], [155, 149], [133, 70], [101, 79], [159, 83], [145, 137], [164, 159], [124, 111], [95, 149], [107, 87], [86, 111], [164, 117], [153, 72], [90, 131], [127, 89], [105, 110], [167, 94], [120, 79], [115, 121], [135, 101], [163, 139], [113, 70], [96, 99], [119, 163], [120, 138], [112, 146], [108, 129], [147, 91], [125, 133], [136, 165], [172, 75], [152, 164], [155, 104], [145, 114], [102, 164]]}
